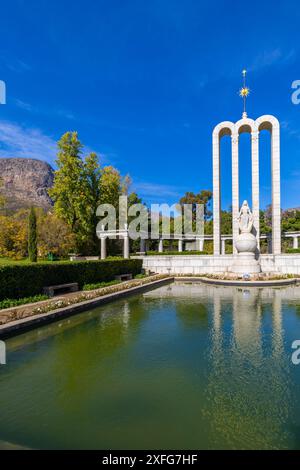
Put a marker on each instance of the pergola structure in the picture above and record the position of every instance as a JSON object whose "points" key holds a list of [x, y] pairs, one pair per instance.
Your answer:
{"points": [[114, 234], [182, 240]]}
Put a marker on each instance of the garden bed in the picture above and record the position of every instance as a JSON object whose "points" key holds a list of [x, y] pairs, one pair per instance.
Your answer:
{"points": [[80, 299]]}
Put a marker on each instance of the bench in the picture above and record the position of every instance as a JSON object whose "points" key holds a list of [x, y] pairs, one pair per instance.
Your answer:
{"points": [[123, 277], [60, 289]]}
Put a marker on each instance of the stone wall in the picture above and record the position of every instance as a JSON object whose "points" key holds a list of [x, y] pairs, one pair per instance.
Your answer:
{"points": [[288, 263], [187, 264], [277, 264]]}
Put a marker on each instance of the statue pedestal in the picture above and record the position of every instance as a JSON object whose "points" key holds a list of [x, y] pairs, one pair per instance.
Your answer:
{"points": [[245, 263]]}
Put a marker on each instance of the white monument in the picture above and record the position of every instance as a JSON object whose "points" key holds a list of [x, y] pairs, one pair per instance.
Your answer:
{"points": [[271, 124]]}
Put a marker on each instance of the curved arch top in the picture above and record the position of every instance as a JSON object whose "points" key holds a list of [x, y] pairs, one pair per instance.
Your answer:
{"points": [[245, 125], [267, 122], [224, 128]]}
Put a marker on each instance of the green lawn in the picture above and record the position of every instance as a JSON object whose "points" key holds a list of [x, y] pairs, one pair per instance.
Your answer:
{"points": [[12, 261]]}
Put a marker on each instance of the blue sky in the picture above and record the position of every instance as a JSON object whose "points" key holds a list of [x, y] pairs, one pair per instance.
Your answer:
{"points": [[145, 82]]}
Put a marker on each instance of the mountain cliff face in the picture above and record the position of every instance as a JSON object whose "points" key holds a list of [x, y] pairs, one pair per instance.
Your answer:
{"points": [[25, 182]]}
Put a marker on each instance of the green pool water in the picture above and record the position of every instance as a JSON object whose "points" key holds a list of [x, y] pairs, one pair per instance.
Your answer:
{"points": [[184, 366]]}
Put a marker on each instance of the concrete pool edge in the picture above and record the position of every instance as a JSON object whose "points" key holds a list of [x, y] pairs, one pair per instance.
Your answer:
{"points": [[20, 326], [233, 283]]}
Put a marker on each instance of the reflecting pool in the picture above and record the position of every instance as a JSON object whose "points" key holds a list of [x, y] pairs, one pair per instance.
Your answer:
{"points": [[184, 366]]}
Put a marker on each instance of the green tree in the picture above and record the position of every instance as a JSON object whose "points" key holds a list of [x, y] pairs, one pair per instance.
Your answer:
{"points": [[291, 220], [92, 179], [67, 191], [14, 235], [32, 236], [265, 220], [80, 185], [110, 186], [203, 197], [76, 190], [226, 222]]}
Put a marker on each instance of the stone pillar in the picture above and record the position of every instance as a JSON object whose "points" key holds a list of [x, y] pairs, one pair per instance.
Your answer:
{"points": [[216, 194], [223, 247], [180, 246], [126, 246], [103, 247], [255, 183], [235, 188], [295, 243], [160, 246], [201, 244], [276, 209]]}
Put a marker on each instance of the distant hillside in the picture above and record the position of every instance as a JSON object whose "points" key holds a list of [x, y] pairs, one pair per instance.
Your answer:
{"points": [[25, 182]]}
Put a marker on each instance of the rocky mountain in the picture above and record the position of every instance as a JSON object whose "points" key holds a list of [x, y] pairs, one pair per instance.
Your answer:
{"points": [[25, 182]]}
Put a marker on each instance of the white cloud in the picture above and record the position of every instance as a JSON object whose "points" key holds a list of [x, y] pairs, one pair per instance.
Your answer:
{"points": [[44, 111], [288, 128], [272, 57], [17, 65], [23, 105], [23, 142]]}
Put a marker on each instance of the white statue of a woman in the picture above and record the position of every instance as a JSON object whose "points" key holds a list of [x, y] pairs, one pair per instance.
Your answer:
{"points": [[245, 218]]}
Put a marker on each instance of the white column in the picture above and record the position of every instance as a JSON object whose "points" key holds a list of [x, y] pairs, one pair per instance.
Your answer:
{"points": [[126, 247], [255, 183], [103, 247], [295, 243], [223, 247], [180, 246], [160, 246], [276, 209], [201, 244], [216, 193], [235, 188]]}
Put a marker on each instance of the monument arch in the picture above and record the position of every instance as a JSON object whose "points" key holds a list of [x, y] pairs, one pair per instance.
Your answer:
{"points": [[253, 127]]}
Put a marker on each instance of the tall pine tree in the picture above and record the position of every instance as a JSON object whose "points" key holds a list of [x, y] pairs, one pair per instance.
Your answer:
{"points": [[32, 236]]}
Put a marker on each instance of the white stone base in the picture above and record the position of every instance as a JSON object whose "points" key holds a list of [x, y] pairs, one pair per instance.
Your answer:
{"points": [[206, 264], [245, 263]]}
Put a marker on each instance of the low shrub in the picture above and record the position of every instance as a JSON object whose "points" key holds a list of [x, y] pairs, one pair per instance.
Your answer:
{"points": [[26, 280], [9, 303], [99, 285]]}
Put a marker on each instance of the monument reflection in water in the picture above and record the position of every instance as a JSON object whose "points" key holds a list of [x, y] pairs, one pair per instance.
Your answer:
{"points": [[184, 366]]}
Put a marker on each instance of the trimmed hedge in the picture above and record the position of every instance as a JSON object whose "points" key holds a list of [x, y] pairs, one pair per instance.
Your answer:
{"points": [[292, 250], [17, 281]]}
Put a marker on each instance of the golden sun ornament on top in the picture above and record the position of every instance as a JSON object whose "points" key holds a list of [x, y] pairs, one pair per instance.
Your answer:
{"points": [[244, 92]]}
